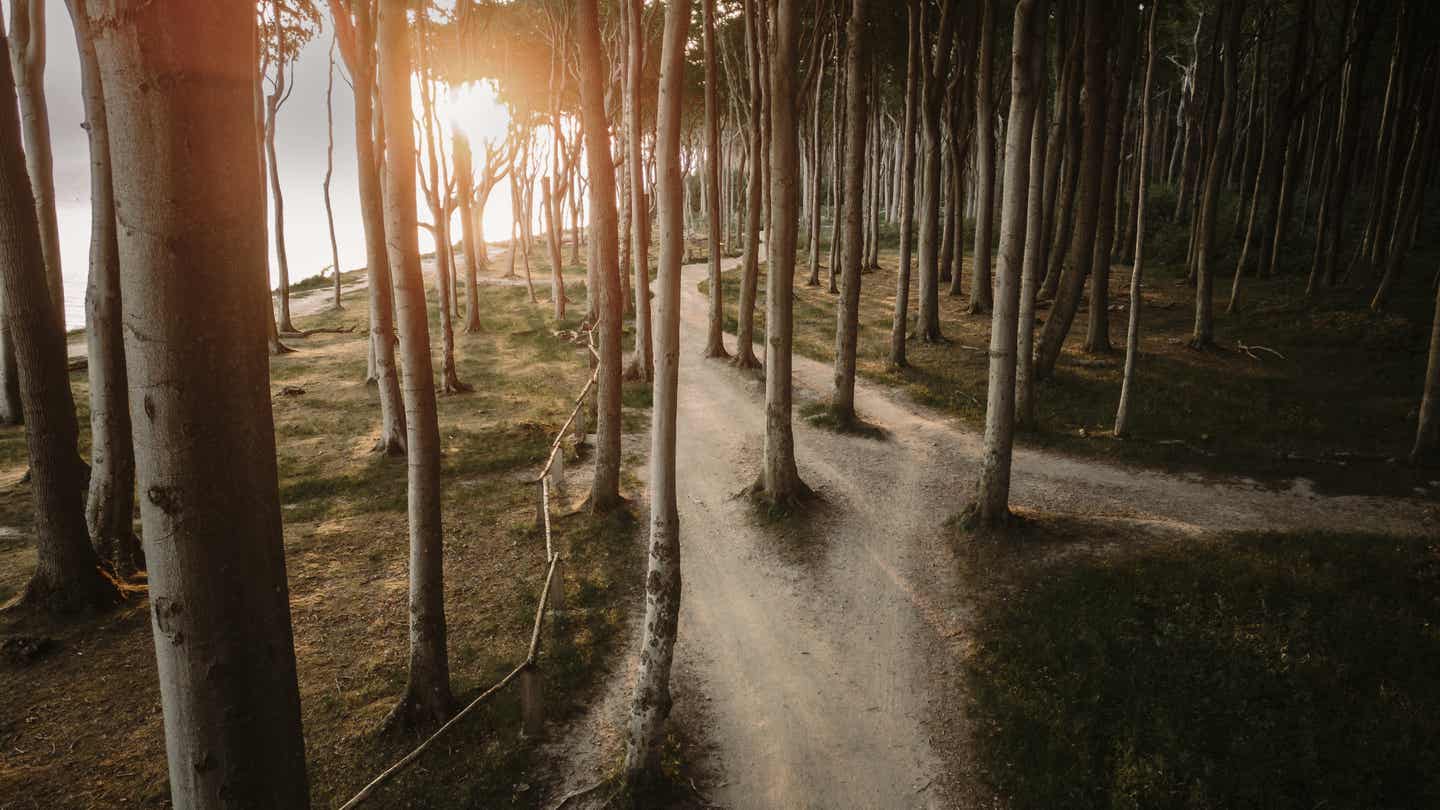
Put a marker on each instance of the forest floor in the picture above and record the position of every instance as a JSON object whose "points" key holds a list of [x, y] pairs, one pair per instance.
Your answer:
{"points": [[80, 724], [1336, 407]]}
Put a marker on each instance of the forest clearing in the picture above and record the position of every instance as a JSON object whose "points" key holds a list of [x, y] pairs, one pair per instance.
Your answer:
{"points": [[732, 403]]}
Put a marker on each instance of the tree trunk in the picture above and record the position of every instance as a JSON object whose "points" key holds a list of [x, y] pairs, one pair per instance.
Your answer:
{"points": [[1427, 433], [857, 117], [604, 239], [357, 49], [928, 326], [816, 150], [199, 389], [715, 338], [652, 700], [1204, 331], [1097, 337], [68, 576], [109, 511], [464, 163], [1027, 64], [750, 259], [900, 323], [282, 259], [1092, 170], [1036, 233], [980, 281], [330, 170], [1132, 335], [427, 700], [779, 482], [642, 362], [27, 60]]}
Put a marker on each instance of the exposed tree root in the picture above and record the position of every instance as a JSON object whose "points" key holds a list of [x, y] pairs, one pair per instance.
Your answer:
{"points": [[745, 358], [91, 593], [393, 446], [411, 716], [305, 333]]}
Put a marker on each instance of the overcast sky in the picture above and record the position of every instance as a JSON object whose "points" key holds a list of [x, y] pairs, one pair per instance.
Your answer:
{"points": [[300, 144]]}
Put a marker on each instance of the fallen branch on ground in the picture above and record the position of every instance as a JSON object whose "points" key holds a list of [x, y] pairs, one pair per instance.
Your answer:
{"points": [[1250, 350], [333, 330]]}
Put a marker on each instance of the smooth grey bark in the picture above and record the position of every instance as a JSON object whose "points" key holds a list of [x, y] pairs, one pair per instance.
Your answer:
{"points": [[715, 335], [816, 161], [928, 325], [427, 700], [642, 362], [355, 29], [652, 700], [1203, 334], [857, 119], [913, 65], [462, 159], [68, 576], [1088, 203], [1142, 165], [279, 93], [27, 61], [604, 239], [1036, 234], [1027, 62], [195, 350], [552, 235], [110, 507], [981, 285], [750, 255], [780, 482], [330, 169]]}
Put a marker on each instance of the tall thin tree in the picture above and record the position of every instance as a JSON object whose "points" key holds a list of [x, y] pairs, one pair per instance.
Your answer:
{"points": [[857, 124]]}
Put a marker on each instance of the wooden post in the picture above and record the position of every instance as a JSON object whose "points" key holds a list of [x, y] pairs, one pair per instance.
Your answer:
{"points": [[540, 506], [555, 600], [557, 473], [532, 712]]}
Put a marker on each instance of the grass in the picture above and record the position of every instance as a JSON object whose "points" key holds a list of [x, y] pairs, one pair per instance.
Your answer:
{"points": [[1339, 408], [1262, 670], [345, 539]]}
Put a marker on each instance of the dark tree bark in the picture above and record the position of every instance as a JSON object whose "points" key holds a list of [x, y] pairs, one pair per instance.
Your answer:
{"points": [[715, 337], [980, 278], [750, 257], [928, 326], [857, 117], [1204, 332], [913, 66]]}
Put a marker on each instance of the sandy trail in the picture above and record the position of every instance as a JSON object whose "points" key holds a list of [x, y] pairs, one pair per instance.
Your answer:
{"points": [[811, 645]]}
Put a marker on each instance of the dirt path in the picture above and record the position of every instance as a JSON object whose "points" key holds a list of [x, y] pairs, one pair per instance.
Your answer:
{"points": [[811, 645]]}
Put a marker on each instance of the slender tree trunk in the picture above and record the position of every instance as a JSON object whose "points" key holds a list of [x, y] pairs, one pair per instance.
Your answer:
{"points": [[857, 116], [715, 339], [604, 238], [28, 53], [199, 390], [330, 170], [750, 260], [928, 326], [427, 700], [900, 323], [816, 151], [1132, 335], [1092, 169], [780, 482], [110, 508], [557, 280], [642, 363], [68, 575], [282, 259], [1036, 233], [980, 281], [1427, 433], [1204, 331], [463, 159], [652, 700], [357, 49]]}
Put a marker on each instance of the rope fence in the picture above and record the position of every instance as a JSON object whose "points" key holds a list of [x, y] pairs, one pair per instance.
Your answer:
{"points": [[527, 671]]}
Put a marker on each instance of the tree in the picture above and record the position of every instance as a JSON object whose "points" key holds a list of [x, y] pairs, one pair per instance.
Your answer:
{"points": [[1204, 331], [1427, 433], [68, 576], [1027, 61], [427, 700], [779, 481], [928, 325], [1142, 165], [847, 313], [750, 256], [356, 31], [652, 700], [27, 60], [642, 363], [199, 389], [715, 335], [913, 67], [980, 280], [330, 169], [109, 511], [604, 236]]}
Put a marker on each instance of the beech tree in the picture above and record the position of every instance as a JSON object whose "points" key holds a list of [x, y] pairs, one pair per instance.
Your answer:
{"points": [[913, 67], [642, 363], [355, 30], [28, 53], [1027, 62], [68, 576], [715, 335], [750, 261], [427, 700], [980, 281], [847, 313], [652, 699], [195, 351], [928, 326]]}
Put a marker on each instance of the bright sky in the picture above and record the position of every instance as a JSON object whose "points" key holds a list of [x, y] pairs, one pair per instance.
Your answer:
{"points": [[300, 144]]}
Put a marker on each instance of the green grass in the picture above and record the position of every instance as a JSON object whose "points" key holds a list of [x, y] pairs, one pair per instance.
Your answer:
{"points": [[1265, 670]]}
